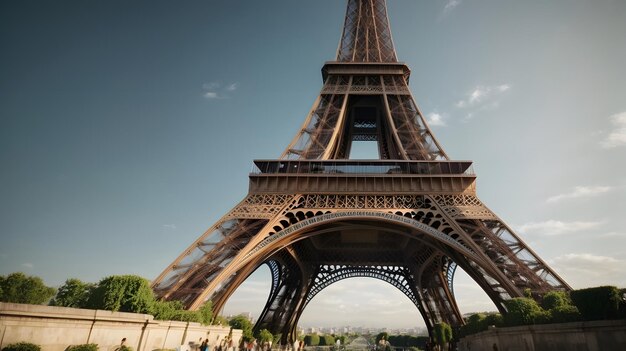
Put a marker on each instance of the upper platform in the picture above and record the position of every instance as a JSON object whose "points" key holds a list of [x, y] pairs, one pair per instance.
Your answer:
{"points": [[355, 68], [362, 177]]}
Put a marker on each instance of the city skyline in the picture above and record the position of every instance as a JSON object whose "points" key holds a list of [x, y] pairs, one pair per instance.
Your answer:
{"points": [[118, 120]]}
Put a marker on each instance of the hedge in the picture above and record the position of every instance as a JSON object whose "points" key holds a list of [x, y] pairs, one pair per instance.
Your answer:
{"points": [[602, 302], [22, 346], [83, 347]]}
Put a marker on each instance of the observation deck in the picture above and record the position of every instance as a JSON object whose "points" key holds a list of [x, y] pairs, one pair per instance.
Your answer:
{"points": [[362, 177]]}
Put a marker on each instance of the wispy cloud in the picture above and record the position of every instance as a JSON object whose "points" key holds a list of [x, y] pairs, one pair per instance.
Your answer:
{"points": [[435, 119], [28, 265], [580, 191], [482, 98], [232, 87], [617, 136], [217, 90], [614, 235], [586, 269], [170, 226], [451, 5], [554, 227]]}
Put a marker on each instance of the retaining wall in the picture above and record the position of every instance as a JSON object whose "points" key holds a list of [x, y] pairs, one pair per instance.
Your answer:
{"points": [[578, 336], [55, 328]]}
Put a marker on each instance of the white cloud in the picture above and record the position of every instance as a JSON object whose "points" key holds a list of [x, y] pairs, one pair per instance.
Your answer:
{"points": [[216, 90], [617, 137], [503, 87], [435, 119], [482, 98], [553, 227], [586, 269], [477, 95], [28, 265], [580, 191], [232, 87], [451, 5], [170, 226]]}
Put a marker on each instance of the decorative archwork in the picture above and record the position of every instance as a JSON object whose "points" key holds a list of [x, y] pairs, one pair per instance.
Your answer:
{"points": [[399, 277]]}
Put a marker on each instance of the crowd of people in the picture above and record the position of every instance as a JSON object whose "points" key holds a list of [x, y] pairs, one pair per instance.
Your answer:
{"points": [[226, 344]]}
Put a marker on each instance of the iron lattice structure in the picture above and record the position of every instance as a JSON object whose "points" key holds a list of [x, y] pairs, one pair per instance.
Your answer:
{"points": [[315, 217]]}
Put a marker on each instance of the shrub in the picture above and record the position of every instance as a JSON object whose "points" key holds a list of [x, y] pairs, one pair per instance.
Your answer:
{"points": [[622, 305], [312, 340], [565, 314], [602, 302], [83, 347], [474, 324], [327, 340], [241, 322], [524, 311], [554, 299], [206, 313], [22, 346], [165, 310], [494, 319], [442, 333], [264, 335], [187, 316]]}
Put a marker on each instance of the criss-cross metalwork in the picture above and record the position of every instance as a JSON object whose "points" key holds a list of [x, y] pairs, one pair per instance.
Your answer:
{"points": [[410, 218]]}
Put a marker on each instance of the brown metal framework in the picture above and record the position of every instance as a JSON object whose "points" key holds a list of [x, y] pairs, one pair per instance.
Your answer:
{"points": [[316, 217]]}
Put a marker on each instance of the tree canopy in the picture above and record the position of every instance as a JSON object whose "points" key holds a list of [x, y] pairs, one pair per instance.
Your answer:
{"points": [[241, 322], [20, 288], [124, 293], [73, 293]]}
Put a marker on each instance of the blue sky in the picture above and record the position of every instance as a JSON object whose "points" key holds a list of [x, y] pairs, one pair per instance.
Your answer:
{"points": [[128, 128]]}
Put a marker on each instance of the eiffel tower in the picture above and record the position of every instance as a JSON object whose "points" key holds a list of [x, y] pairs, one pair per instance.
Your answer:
{"points": [[315, 217]]}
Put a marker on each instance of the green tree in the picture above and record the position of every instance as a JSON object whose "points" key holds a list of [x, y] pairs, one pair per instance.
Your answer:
{"points": [[124, 293], [241, 322], [74, 293], [442, 333], [220, 320], [19, 288], [265, 335], [206, 313], [524, 311], [554, 299]]}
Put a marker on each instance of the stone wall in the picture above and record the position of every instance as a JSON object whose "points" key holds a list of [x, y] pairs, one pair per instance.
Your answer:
{"points": [[579, 336], [55, 328]]}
